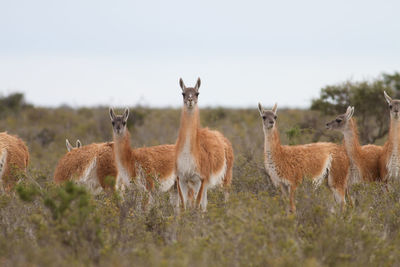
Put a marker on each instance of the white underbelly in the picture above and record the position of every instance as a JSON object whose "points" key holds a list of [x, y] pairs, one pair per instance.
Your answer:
{"points": [[167, 183], [217, 178], [90, 179], [186, 165], [277, 179], [317, 181]]}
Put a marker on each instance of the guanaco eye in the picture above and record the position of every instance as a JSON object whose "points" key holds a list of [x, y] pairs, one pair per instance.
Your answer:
{"points": [[390, 106], [338, 120], [183, 94], [124, 123], [113, 123], [197, 94], [275, 117], [264, 117]]}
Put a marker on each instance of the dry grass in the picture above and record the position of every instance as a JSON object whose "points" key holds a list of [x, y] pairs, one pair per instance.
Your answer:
{"points": [[43, 225]]}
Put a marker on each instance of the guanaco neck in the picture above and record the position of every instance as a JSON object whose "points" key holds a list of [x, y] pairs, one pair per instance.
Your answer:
{"points": [[272, 142], [352, 143], [190, 123], [123, 152], [392, 143]]}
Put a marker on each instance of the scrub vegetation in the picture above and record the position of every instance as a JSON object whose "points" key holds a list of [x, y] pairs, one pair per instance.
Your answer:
{"points": [[42, 224]]}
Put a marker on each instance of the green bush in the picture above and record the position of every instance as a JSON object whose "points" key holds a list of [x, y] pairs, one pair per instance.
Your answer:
{"points": [[47, 225], [367, 98]]}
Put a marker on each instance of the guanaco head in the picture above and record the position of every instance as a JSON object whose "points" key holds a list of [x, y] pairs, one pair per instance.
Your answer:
{"points": [[119, 121], [341, 121], [190, 94], [268, 116], [70, 147], [394, 106]]}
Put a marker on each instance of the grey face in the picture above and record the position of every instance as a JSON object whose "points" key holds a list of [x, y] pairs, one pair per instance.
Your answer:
{"points": [[340, 122], [394, 106], [119, 121], [268, 117], [395, 109], [190, 94]]}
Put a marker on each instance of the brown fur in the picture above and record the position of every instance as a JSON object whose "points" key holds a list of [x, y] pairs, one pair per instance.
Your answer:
{"points": [[73, 164], [389, 162], [288, 165], [338, 174], [155, 162], [308, 161], [209, 148], [17, 159], [203, 157], [365, 158], [388, 148]]}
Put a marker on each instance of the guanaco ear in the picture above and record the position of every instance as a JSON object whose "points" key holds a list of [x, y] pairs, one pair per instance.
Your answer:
{"points": [[112, 114], [275, 108], [349, 112], [69, 147], [352, 111], [198, 83], [126, 115], [182, 84], [260, 109], [78, 144], [388, 98]]}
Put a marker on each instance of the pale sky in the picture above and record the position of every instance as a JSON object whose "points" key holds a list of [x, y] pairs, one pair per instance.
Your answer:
{"points": [[120, 53]]}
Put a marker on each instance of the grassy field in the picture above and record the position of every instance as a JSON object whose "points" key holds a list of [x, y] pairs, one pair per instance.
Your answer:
{"points": [[45, 225]]}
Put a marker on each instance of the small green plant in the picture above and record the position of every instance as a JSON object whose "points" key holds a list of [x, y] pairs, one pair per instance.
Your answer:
{"points": [[45, 224], [293, 134], [68, 198], [27, 192]]}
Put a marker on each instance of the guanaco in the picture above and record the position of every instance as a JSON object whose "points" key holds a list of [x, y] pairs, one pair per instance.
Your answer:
{"points": [[91, 165], [204, 158], [287, 166], [364, 160], [143, 166], [389, 162], [14, 159]]}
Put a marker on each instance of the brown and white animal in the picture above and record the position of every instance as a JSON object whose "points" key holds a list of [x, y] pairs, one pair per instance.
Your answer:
{"points": [[287, 166], [143, 166], [364, 160], [91, 165], [389, 162], [204, 158], [70, 147], [14, 159]]}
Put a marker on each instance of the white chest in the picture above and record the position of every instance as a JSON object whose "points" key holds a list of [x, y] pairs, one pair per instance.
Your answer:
{"points": [[186, 162], [123, 179], [393, 164], [270, 166], [354, 176]]}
